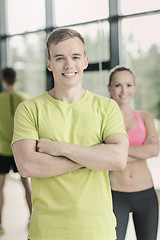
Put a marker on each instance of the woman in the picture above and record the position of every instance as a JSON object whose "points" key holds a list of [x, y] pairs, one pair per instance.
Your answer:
{"points": [[132, 188]]}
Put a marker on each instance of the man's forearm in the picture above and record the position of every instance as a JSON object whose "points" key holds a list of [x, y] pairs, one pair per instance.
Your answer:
{"points": [[39, 165], [49, 166], [101, 157], [44, 166]]}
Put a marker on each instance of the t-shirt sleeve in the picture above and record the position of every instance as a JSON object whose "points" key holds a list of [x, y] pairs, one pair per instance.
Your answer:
{"points": [[113, 123], [25, 123]]}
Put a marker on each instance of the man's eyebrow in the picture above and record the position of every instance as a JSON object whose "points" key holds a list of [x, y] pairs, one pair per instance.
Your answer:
{"points": [[77, 54], [62, 55], [58, 55]]}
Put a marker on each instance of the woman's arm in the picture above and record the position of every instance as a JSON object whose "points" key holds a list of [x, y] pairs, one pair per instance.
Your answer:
{"points": [[150, 148]]}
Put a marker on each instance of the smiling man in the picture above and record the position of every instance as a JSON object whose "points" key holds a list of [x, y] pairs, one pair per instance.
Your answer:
{"points": [[67, 140]]}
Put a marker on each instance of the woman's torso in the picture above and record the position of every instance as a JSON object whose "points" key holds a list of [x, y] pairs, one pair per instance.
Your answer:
{"points": [[136, 176]]}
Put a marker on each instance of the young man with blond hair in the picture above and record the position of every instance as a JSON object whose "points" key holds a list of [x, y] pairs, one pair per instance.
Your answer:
{"points": [[68, 139]]}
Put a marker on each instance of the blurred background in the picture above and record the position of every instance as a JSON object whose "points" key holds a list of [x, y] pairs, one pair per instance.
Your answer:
{"points": [[115, 32]]}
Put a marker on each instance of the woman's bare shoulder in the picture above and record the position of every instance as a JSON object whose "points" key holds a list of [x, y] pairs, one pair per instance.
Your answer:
{"points": [[146, 115]]}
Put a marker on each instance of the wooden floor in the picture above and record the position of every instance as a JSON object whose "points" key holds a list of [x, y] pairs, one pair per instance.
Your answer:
{"points": [[16, 214]]}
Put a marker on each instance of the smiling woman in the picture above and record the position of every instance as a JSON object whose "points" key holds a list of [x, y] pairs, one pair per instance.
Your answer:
{"points": [[132, 189]]}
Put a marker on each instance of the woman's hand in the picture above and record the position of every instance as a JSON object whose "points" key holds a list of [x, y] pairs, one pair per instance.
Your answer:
{"points": [[151, 140]]}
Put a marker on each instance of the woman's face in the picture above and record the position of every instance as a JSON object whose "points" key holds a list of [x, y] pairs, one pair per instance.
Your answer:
{"points": [[122, 87]]}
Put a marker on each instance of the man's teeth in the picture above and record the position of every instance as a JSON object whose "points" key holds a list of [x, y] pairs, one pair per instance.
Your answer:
{"points": [[69, 74]]}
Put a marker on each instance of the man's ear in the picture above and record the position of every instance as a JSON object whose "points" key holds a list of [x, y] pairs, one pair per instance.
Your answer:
{"points": [[108, 88], [48, 64], [85, 62]]}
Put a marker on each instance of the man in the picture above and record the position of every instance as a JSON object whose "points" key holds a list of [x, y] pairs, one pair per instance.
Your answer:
{"points": [[79, 136], [9, 100]]}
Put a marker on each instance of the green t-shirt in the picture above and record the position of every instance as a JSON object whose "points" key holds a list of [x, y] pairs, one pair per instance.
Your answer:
{"points": [[8, 105], [76, 205]]}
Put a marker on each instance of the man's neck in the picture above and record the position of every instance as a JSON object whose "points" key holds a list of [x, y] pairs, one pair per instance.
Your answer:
{"points": [[68, 96]]}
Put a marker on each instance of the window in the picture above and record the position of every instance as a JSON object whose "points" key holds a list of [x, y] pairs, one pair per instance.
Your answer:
{"points": [[25, 15], [71, 11], [96, 36], [135, 6], [141, 52], [27, 55]]}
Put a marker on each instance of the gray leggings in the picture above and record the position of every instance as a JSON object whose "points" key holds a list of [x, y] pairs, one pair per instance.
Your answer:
{"points": [[144, 206]]}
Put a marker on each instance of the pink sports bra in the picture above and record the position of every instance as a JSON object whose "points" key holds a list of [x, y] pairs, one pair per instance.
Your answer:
{"points": [[137, 136]]}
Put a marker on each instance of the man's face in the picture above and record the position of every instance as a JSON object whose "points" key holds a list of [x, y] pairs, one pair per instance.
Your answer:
{"points": [[67, 62]]}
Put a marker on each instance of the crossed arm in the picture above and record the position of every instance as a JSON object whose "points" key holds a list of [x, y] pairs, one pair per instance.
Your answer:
{"points": [[51, 158], [150, 148]]}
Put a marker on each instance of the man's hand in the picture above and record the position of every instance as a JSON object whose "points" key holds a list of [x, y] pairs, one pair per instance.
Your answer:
{"points": [[49, 147]]}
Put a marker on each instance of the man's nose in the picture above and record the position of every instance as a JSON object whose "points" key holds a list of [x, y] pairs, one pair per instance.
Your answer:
{"points": [[68, 64]]}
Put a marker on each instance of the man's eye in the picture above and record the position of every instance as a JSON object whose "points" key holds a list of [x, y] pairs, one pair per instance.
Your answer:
{"points": [[76, 57], [59, 59]]}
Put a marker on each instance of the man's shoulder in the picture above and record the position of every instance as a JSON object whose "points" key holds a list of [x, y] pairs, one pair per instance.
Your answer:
{"points": [[100, 99], [32, 102]]}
